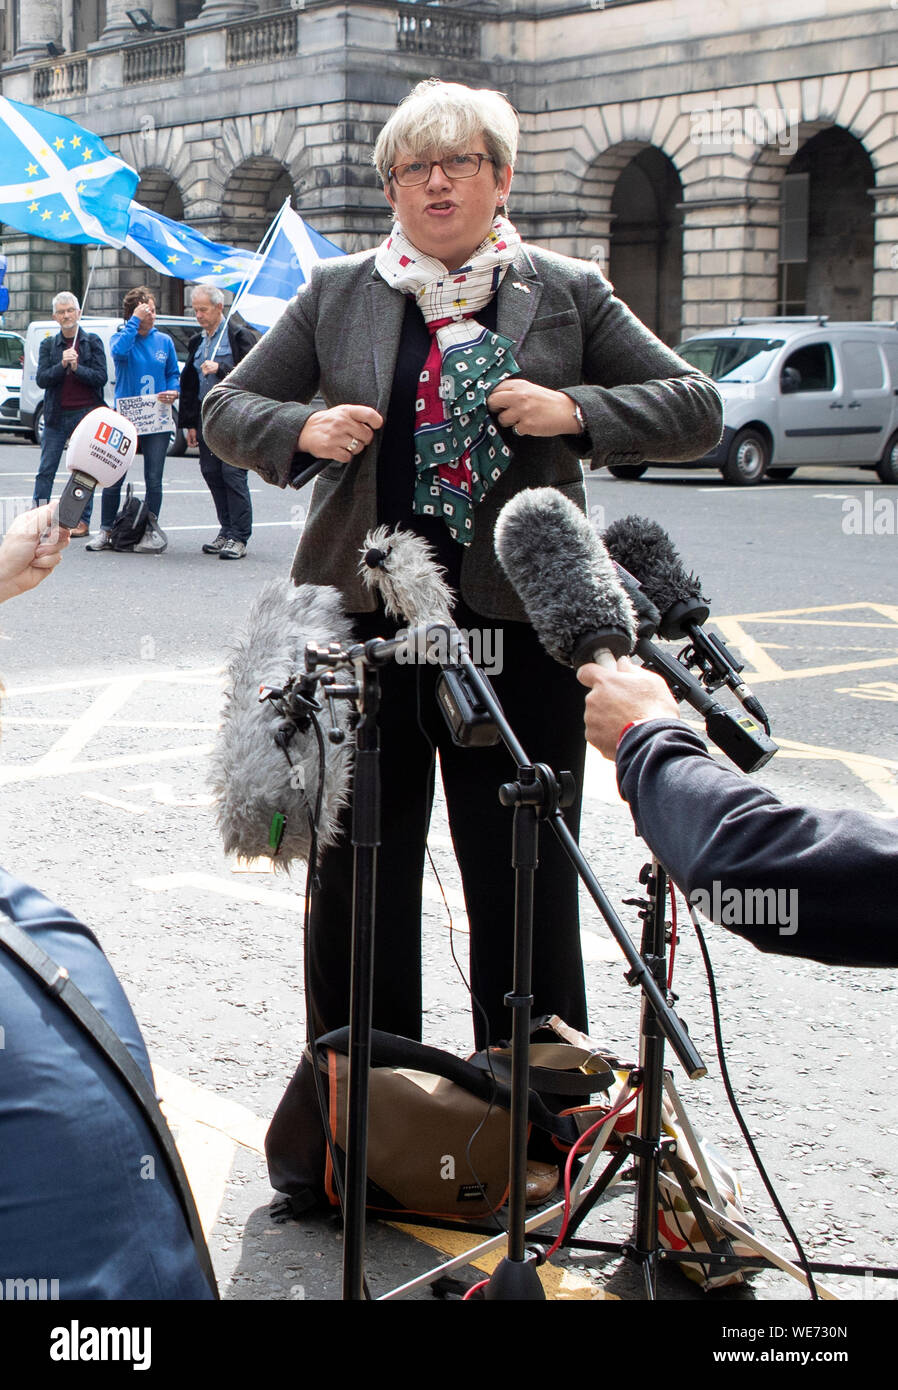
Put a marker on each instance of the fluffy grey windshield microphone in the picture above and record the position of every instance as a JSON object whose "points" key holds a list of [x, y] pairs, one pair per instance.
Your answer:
{"points": [[565, 578], [252, 777], [400, 566]]}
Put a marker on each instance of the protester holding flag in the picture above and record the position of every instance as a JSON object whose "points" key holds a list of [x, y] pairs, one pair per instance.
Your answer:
{"points": [[71, 371], [146, 365], [210, 356]]}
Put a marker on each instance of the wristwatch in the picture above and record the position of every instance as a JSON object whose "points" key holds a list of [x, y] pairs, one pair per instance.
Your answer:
{"points": [[578, 416]]}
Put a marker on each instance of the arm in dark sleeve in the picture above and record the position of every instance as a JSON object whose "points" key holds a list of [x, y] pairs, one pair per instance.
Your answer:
{"points": [[189, 401], [639, 399], [710, 825], [254, 418], [91, 366], [48, 374]]}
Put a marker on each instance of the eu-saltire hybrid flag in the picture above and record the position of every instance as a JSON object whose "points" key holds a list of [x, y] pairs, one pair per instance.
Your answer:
{"points": [[286, 263], [173, 248], [60, 182]]}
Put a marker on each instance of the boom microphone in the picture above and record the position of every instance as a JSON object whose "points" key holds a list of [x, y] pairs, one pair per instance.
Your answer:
{"points": [[400, 566], [261, 770], [567, 583], [650, 554], [564, 577], [101, 450]]}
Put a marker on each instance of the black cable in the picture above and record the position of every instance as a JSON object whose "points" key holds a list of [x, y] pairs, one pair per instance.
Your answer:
{"points": [[734, 1106]]}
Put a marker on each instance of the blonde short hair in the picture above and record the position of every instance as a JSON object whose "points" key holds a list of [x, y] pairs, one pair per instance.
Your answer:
{"points": [[437, 117]]}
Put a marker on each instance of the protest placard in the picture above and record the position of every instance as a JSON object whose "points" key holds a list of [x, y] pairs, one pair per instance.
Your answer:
{"points": [[148, 414]]}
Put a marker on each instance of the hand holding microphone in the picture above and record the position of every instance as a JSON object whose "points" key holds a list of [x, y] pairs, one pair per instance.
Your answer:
{"points": [[100, 452], [31, 549], [340, 433], [620, 696]]}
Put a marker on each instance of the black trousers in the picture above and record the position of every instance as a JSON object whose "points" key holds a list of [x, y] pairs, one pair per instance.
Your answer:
{"points": [[229, 487], [544, 705]]}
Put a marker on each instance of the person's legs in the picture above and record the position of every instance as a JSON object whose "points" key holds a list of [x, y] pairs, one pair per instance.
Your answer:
{"points": [[55, 439], [154, 448], [211, 469], [52, 445], [240, 507], [406, 796], [544, 705]]}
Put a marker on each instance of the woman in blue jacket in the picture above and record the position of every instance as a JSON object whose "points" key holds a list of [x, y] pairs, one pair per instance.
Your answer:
{"points": [[146, 364]]}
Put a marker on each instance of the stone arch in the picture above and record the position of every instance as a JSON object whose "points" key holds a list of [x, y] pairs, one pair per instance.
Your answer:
{"points": [[821, 181], [252, 197]]}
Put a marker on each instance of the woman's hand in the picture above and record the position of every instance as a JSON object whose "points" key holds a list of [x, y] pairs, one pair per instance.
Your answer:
{"points": [[339, 433], [30, 549], [166, 397], [532, 409]]}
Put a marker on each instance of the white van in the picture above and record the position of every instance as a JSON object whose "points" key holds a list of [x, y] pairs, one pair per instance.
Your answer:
{"points": [[12, 356], [799, 391], [180, 329]]}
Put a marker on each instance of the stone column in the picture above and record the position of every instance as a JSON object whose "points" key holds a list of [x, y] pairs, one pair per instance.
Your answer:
{"points": [[885, 253], [224, 11], [40, 22], [729, 260], [118, 25]]}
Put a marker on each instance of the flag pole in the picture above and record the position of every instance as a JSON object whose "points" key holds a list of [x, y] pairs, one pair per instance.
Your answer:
{"points": [[261, 247], [90, 275]]}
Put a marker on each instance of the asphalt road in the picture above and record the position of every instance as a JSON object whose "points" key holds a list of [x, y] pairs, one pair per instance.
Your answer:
{"points": [[112, 672]]}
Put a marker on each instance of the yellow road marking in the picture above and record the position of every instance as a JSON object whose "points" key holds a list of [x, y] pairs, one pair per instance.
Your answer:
{"points": [[559, 1284]]}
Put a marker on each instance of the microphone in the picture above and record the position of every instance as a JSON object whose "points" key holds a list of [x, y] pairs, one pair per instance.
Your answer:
{"points": [[265, 768], [100, 452], [400, 566], [564, 577], [580, 612], [649, 553]]}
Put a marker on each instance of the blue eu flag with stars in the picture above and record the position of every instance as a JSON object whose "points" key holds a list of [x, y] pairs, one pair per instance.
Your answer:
{"points": [[59, 181]]}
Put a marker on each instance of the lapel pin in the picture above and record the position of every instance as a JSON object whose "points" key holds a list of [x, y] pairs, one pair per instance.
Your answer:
{"points": [[517, 284]]}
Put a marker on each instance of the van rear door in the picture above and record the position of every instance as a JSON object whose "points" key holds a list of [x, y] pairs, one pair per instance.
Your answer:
{"points": [[869, 401]]}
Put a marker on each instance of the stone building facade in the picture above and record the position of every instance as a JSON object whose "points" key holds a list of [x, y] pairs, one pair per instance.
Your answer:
{"points": [[716, 160]]}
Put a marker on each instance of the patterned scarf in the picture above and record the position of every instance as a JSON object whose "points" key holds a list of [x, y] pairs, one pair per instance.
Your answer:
{"points": [[459, 453]]}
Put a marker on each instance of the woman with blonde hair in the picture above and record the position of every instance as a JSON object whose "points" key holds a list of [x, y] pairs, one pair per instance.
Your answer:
{"points": [[457, 366]]}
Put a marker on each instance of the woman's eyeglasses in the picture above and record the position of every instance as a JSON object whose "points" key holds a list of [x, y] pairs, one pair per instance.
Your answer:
{"points": [[454, 166]]}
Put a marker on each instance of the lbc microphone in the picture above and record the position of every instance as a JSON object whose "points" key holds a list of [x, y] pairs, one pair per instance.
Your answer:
{"points": [[256, 776], [565, 579], [101, 450]]}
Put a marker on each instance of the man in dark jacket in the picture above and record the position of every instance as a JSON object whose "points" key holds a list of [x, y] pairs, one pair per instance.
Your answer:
{"points": [[790, 879], [211, 355], [72, 372]]}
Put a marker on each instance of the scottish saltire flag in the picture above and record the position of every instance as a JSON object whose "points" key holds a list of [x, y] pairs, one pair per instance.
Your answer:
{"points": [[60, 182], [173, 248], [286, 262]]}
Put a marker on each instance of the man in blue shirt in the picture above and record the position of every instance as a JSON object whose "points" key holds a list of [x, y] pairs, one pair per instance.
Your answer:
{"points": [[146, 364]]}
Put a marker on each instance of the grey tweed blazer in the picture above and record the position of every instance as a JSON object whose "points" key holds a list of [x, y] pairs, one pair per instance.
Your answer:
{"points": [[339, 337]]}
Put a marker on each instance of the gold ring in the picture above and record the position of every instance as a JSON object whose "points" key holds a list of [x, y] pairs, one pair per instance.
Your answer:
{"points": [[353, 445]]}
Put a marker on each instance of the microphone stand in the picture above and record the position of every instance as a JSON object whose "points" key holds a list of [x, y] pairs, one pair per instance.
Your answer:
{"points": [[537, 794]]}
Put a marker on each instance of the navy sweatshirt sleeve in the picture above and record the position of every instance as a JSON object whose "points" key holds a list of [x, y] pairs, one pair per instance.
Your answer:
{"points": [[723, 838]]}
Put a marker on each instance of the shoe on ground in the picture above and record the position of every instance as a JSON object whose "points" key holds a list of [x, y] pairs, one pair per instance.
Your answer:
{"points": [[232, 550], [542, 1180], [217, 546], [154, 539], [101, 541], [77, 532]]}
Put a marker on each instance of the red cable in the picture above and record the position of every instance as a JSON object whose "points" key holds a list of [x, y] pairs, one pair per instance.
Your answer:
{"points": [[566, 1216], [673, 932]]}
